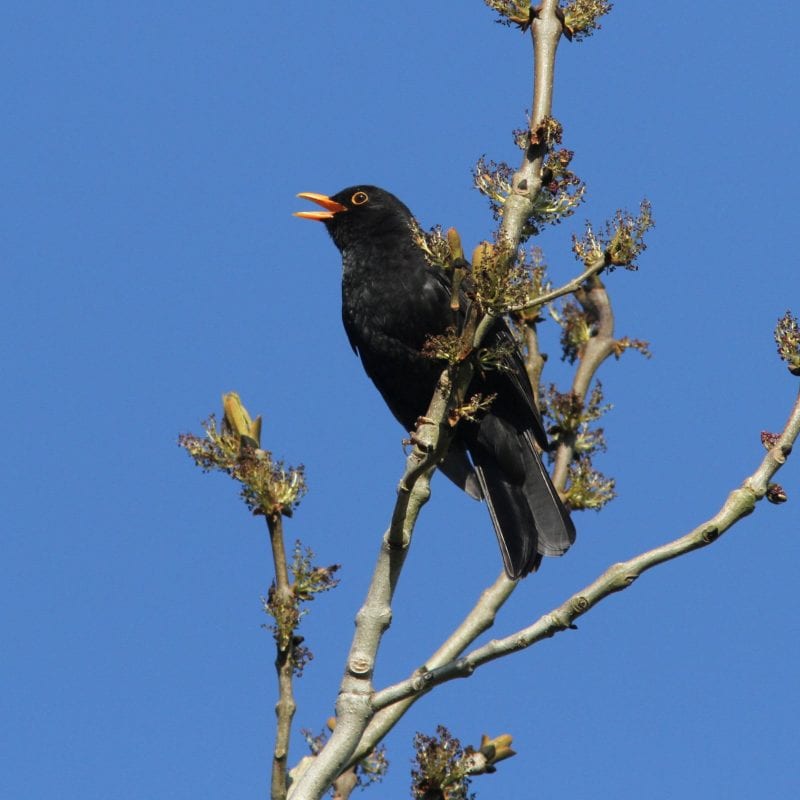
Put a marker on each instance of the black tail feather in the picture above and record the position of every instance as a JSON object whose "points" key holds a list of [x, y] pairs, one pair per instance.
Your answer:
{"points": [[529, 519]]}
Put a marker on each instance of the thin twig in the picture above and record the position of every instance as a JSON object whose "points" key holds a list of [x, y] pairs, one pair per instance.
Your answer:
{"points": [[343, 786], [534, 361], [617, 577], [546, 31], [595, 301], [286, 706], [282, 584], [568, 288]]}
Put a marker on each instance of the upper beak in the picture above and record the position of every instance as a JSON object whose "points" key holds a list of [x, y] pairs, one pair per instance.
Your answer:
{"points": [[331, 206]]}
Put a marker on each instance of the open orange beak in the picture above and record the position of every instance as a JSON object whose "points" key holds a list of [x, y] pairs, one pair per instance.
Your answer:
{"points": [[331, 207]]}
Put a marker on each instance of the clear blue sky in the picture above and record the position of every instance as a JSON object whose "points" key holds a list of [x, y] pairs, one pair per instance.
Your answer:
{"points": [[151, 154]]}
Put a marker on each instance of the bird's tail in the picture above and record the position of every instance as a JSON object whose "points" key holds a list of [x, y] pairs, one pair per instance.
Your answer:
{"points": [[529, 518]]}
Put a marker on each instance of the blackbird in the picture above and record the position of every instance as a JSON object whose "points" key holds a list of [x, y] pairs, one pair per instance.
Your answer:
{"points": [[393, 300]]}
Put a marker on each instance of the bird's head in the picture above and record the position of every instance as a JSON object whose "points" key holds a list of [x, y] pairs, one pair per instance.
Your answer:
{"points": [[359, 214]]}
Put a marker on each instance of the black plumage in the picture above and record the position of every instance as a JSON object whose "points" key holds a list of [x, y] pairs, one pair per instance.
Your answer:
{"points": [[393, 300]]}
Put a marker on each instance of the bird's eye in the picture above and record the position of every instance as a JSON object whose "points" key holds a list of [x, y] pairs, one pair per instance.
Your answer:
{"points": [[359, 198]]}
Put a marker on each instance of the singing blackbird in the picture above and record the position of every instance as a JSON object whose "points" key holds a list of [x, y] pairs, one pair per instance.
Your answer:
{"points": [[393, 300]]}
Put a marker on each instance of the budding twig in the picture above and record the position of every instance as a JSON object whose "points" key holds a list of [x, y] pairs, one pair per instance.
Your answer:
{"points": [[284, 663], [592, 269]]}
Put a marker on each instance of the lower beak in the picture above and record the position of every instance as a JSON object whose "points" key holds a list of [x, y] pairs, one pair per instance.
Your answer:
{"points": [[331, 207]]}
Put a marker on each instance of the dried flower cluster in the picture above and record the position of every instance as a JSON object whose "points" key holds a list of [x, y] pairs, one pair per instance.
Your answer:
{"points": [[581, 17], [622, 241], [434, 245], [442, 767], [268, 486], [577, 328], [572, 424], [572, 419], [588, 489], [513, 12], [287, 610], [469, 410], [502, 279], [787, 337], [558, 198], [626, 343], [548, 132], [447, 346], [493, 180], [496, 281], [556, 174]]}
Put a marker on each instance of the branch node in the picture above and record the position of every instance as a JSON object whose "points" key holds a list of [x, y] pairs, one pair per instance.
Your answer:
{"points": [[748, 494], [397, 545], [360, 664], [464, 666], [421, 679], [556, 622], [424, 447], [621, 575], [580, 605], [710, 534]]}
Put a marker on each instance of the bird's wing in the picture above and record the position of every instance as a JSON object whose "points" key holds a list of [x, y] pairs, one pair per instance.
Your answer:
{"points": [[512, 371]]}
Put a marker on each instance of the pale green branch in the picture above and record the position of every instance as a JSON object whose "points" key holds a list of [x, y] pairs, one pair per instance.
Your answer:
{"points": [[617, 577]]}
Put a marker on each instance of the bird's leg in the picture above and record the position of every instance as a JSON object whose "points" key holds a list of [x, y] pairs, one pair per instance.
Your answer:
{"points": [[424, 450]]}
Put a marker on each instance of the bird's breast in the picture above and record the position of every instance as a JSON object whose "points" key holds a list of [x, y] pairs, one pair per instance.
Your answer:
{"points": [[386, 298], [390, 307]]}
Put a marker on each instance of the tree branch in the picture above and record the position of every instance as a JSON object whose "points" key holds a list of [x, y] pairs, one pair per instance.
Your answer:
{"points": [[546, 31], [353, 706], [617, 577], [595, 300], [592, 269], [354, 709], [286, 706], [343, 786], [479, 619]]}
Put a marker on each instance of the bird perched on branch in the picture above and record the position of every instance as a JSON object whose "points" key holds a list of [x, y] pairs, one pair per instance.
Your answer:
{"points": [[393, 301]]}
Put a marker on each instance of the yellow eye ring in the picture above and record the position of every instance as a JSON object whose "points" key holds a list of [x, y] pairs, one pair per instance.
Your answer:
{"points": [[359, 198]]}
